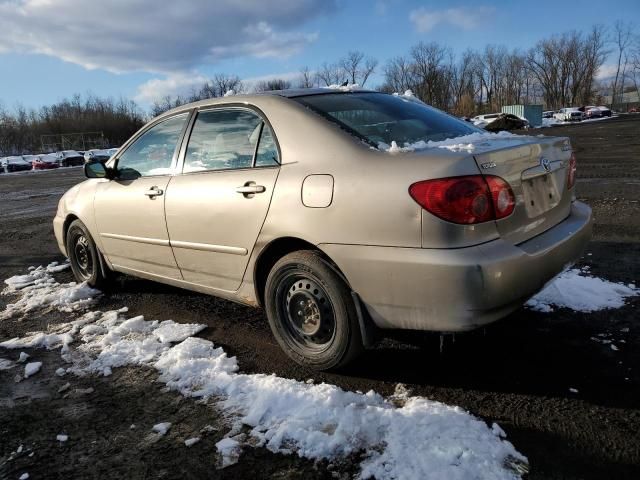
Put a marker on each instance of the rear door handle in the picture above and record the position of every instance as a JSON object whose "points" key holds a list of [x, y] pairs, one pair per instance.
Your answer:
{"points": [[154, 192], [250, 189]]}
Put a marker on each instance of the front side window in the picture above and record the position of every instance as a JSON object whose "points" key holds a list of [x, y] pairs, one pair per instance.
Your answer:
{"points": [[380, 119], [223, 139], [152, 153]]}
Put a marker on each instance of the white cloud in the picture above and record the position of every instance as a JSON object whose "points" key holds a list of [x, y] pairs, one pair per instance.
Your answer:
{"points": [[184, 83], [172, 85], [606, 71], [425, 20], [163, 37]]}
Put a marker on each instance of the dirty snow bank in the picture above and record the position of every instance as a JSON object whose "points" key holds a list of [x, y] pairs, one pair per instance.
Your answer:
{"points": [[418, 439], [469, 143], [38, 289], [576, 290], [398, 437]]}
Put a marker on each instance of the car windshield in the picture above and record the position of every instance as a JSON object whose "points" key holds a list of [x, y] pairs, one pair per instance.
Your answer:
{"points": [[378, 118]]}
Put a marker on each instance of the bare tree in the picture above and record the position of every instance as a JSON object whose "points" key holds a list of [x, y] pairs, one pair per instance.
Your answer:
{"points": [[622, 38], [431, 73], [306, 78], [566, 65], [272, 84], [398, 75], [219, 85], [357, 68], [634, 67], [330, 74]]}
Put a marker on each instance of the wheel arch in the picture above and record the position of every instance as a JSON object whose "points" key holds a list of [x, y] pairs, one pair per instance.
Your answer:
{"points": [[65, 226], [274, 251]]}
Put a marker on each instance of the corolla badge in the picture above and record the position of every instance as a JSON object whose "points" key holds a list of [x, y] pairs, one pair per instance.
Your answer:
{"points": [[546, 164]]}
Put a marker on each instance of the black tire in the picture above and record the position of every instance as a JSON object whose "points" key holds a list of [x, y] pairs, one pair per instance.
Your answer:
{"points": [[311, 312], [84, 256]]}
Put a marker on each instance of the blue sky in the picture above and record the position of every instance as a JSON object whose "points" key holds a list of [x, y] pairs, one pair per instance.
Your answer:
{"points": [[141, 49]]}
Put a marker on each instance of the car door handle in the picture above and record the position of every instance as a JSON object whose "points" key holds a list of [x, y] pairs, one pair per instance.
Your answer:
{"points": [[153, 192], [249, 189]]}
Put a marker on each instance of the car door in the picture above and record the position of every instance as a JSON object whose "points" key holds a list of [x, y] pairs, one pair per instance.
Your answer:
{"points": [[216, 208], [129, 209]]}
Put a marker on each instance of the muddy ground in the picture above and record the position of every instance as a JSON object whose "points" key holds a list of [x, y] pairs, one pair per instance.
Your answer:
{"points": [[517, 373]]}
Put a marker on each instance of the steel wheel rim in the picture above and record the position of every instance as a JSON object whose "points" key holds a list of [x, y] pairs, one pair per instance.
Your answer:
{"points": [[307, 312], [82, 256]]}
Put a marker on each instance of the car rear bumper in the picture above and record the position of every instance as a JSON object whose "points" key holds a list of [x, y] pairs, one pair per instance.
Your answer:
{"points": [[452, 290]]}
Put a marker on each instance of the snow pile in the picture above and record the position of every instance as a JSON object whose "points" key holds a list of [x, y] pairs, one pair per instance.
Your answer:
{"points": [[469, 143], [398, 437], [229, 93], [189, 442], [419, 438], [6, 364], [38, 289], [573, 289], [229, 451], [32, 368], [407, 94], [162, 428], [354, 87]]}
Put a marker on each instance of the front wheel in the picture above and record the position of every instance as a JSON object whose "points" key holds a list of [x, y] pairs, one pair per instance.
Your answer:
{"points": [[84, 256], [311, 311]]}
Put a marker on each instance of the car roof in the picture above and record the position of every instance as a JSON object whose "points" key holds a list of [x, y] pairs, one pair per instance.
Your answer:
{"points": [[243, 97]]}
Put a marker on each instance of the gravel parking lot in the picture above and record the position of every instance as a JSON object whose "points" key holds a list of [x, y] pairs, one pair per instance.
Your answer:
{"points": [[570, 403]]}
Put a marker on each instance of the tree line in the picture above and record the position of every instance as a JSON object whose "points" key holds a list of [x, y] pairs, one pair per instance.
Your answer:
{"points": [[21, 129], [558, 71]]}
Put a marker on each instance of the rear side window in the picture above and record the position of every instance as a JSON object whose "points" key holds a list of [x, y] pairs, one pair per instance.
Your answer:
{"points": [[380, 119], [267, 153], [223, 139]]}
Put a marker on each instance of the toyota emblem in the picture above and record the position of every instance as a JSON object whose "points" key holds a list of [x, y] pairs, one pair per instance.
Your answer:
{"points": [[546, 164]]}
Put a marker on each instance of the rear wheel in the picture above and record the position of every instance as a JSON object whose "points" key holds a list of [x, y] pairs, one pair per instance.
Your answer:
{"points": [[84, 256], [311, 311]]}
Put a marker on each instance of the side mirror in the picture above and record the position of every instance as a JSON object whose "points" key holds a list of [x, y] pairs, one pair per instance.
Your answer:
{"points": [[95, 169]]}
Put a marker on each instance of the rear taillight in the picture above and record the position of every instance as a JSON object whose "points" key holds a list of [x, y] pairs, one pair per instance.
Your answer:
{"points": [[467, 200], [571, 173]]}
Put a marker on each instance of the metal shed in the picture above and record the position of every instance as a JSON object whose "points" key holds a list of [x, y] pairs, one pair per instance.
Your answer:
{"points": [[533, 113]]}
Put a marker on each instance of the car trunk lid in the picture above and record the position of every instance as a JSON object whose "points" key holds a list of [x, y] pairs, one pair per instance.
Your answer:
{"points": [[536, 169]]}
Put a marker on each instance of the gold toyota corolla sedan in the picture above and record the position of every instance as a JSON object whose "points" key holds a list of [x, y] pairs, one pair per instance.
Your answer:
{"points": [[301, 202]]}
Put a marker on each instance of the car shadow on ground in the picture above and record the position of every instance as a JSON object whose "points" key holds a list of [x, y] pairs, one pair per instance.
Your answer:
{"points": [[527, 353]]}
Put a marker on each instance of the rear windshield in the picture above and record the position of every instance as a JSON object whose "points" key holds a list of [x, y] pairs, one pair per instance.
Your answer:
{"points": [[378, 118]]}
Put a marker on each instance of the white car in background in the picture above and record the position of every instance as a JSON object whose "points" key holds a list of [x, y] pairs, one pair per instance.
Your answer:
{"points": [[570, 114]]}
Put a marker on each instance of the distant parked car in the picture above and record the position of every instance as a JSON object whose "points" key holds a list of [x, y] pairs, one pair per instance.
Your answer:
{"points": [[96, 154], [45, 161], [14, 163], [548, 114], [634, 110], [571, 114], [482, 120], [604, 111], [592, 112], [70, 158], [298, 202], [507, 121]]}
